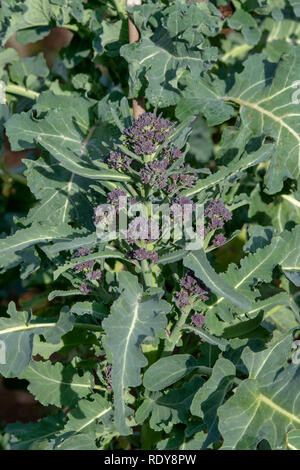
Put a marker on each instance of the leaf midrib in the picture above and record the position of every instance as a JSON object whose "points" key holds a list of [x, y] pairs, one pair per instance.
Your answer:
{"points": [[247, 276], [50, 379], [265, 112]]}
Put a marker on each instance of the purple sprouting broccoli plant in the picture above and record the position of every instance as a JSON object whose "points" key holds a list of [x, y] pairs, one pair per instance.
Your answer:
{"points": [[182, 298], [194, 286], [171, 153], [179, 204], [184, 201], [149, 138], [128, 368], [115, 195], [160, 173], [156, 175], [100, 216], [115, 198]]}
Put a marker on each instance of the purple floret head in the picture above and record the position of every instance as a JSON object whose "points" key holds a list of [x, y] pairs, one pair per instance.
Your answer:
{"points": [[86, 265], [198, 320], [146, 133], [118, 161], [217, 214], [85, 288], [219, 240], [144, 254]]}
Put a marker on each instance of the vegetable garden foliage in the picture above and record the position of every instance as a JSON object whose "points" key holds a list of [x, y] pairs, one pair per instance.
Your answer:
{"points": [[145, 344]]}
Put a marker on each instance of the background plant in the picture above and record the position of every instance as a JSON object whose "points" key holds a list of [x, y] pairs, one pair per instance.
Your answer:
{"points": [[146, 345]]}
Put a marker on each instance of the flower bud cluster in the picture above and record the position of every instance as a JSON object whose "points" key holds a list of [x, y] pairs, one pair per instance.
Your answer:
{"points": [[216, 215], [87, 268], [147, 138], [192, 289]]}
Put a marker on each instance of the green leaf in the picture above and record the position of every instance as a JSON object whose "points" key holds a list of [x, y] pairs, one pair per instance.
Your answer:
{"points": [[241, 20], [285, 208], [96, 309], [77, 442], [8, 56], [168, 370], [178, 44], [296, 6], [16, 336], [211, 396], [180, 440], [281, 319], [87, 413], [258, 267], [94, 256], [198, 263], [34, 19], [35, 65], [133, 318], [69, 137], [28, 434], [73, 242], [114, 35], [293, 439], [63, 293], [232, 170], [172, 257], [209, 338], [56, 188], [265, 107], [172, 407], [56, 384], [265, 405], [34, 235], [242, 328], [290, 264], [35, 13], [80, 431]]}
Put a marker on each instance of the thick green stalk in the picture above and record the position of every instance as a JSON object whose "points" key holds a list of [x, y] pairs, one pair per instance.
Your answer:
{"points": [[147, 274], [171, 342], [22, 91], [98, 387]]}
